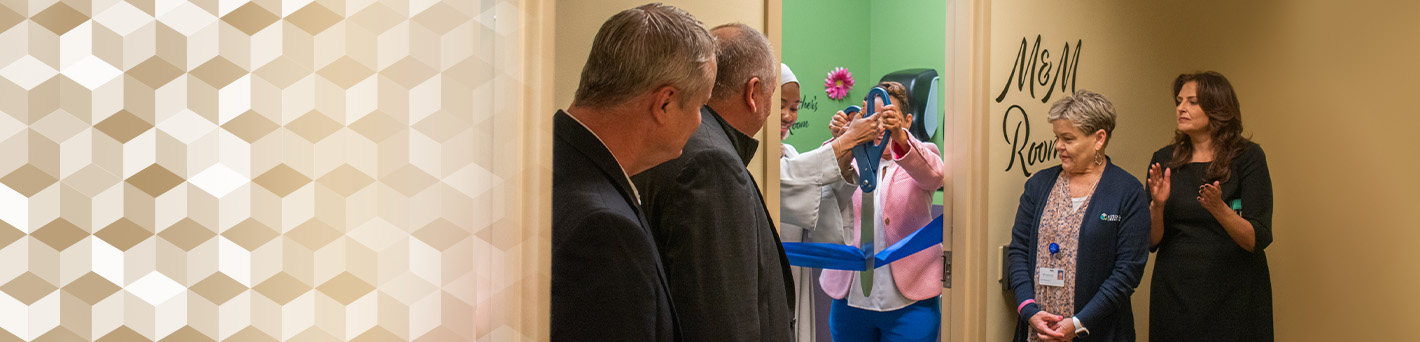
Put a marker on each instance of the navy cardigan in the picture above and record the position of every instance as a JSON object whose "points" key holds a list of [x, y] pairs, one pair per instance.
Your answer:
{"points": [[1114, 246]]}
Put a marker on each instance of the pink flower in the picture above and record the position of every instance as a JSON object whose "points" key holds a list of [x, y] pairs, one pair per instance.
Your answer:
{"points": [[838, 83]]}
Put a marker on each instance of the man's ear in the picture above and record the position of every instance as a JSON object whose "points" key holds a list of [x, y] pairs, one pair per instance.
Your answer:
{"points": [[752, 87], [662, 100]]}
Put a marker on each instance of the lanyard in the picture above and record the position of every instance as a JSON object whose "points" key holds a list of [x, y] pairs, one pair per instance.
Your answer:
{"points": [[1060, 220]]}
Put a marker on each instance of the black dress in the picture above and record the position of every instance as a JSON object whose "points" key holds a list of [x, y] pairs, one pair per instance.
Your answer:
{"points": [[1205, 286]]}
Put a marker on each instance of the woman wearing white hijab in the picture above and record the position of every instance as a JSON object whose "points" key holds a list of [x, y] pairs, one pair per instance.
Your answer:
{"points": [[813, 194], [807, 180]]}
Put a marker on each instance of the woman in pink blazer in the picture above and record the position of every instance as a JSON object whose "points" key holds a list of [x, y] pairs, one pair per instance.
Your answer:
{"points": [[903, 304]]}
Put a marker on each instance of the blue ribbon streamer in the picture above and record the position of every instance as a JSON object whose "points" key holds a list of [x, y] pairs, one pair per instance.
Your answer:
{"points": [[829, 256], [832, 256]]}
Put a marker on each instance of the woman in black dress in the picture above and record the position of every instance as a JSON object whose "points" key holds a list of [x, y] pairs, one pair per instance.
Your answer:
{"points": [[1211, 211]]}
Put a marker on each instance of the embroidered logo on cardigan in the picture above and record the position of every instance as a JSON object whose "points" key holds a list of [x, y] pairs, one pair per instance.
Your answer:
{"points": [[1108, 217]]}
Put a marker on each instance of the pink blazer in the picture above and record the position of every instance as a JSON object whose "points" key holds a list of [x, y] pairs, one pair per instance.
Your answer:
{"points": [[907, 207]]}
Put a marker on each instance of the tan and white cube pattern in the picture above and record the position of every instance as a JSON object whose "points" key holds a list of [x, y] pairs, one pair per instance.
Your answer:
{"points": [[233, 170]]}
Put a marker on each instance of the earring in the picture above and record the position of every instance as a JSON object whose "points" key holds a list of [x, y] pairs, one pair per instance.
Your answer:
{"points": [[1099, 158]]}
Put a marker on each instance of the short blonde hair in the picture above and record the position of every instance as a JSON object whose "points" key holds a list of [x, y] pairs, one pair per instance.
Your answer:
{"points": [[1087, 110], [644, 48]]}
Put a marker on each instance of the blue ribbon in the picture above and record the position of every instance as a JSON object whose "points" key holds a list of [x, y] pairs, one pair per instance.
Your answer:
{"points": [[832, 256]]}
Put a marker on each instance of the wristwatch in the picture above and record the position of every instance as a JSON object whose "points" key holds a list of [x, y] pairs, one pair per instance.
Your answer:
{"points": [[1080, 330]]}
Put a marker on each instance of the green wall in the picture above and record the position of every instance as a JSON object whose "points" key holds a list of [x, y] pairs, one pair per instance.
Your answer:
{"points": [[819, 36], [870, 39], [910, 34]]}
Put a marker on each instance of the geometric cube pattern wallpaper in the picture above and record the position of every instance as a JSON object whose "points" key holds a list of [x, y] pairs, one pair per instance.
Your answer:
{"points": [[233, 170]]}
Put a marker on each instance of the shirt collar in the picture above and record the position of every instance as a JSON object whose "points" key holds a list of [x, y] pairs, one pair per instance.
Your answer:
{"points": [[745, 145], [634, 192]]}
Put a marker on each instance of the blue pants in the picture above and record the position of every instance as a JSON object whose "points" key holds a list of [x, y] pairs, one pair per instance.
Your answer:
{"points": [[917, 322]]}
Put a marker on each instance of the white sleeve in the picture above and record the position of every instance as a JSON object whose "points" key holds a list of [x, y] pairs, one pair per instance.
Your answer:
{"points": [[801, 181], [817, 167]]}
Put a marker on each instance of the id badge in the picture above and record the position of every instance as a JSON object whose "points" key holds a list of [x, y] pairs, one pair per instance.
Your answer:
{"points": [[1052, 276]]}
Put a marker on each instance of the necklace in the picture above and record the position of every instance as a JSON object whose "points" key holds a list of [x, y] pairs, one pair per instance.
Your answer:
{"points": [[1061, 220]]}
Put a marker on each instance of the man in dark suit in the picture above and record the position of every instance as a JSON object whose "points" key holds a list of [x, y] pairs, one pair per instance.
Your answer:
{"points": [[728, 274], [649, 72]]}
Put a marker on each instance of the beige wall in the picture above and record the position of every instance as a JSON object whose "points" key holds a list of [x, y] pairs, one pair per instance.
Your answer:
{"points": [[1327, 89], [1126, 58], [1334, 105]]}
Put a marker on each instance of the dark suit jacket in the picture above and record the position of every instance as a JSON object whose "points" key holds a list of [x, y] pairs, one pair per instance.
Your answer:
{"points": [[1109, 261], [728, 274], [608, 283]]}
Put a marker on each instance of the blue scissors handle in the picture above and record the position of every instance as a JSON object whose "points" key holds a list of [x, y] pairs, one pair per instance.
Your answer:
{"points": [[868, 154]]}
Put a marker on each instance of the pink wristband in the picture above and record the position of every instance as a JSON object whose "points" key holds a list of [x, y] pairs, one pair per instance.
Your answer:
{"points": [[1023, 305]]}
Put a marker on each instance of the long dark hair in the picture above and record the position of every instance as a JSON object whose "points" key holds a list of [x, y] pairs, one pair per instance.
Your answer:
{"points": [[1220, 103]]}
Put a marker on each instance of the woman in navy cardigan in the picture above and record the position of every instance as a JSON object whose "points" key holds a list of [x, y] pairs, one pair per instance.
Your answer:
{"points": [[1081, 235]]}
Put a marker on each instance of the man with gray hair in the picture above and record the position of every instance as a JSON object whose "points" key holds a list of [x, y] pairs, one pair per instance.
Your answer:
{"points": [[727, 271], [649, 72]]}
